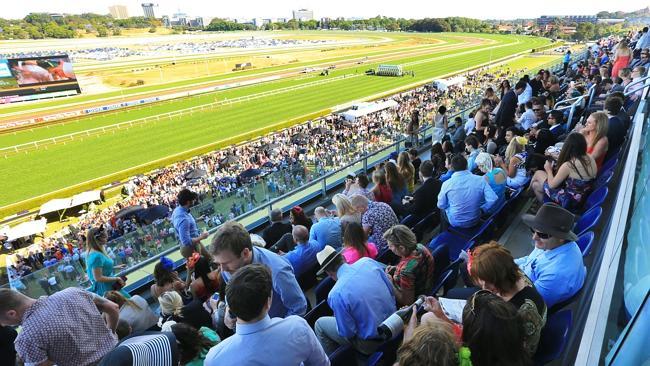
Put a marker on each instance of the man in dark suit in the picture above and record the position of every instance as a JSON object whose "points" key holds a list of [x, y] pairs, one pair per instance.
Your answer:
{"points": [[555, 122], [425, 198], [277, 229], [506, 114], [616, 129]]}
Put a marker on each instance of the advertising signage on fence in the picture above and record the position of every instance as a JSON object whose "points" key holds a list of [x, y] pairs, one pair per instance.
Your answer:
{"points": [[46, 76]]}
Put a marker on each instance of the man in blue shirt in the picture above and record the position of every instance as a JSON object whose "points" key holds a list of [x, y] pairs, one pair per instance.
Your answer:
{"points": [[185, 225], [464, 196], [260, 339], [303, 256], [327, 230], [555, 266], [232, 249], [361, 299]]}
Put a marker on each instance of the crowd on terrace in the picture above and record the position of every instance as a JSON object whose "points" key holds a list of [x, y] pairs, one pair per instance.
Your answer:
{"points": [[243, 299]]}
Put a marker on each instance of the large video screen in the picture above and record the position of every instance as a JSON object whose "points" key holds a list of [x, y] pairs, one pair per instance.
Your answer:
{"points": [[36, 77]]}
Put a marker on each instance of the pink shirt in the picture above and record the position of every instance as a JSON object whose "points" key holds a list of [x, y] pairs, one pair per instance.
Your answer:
{"points": [[352, 255]]}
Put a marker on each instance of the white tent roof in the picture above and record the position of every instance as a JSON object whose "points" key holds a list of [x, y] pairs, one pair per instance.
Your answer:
{"points": [[60, 204], [362, 109], [26, 229], [85, 197], [54, 205]]}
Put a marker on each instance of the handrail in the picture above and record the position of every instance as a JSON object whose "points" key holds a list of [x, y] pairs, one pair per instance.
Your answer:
{"points": [[635, 90], [565, 101], [635, 82]]}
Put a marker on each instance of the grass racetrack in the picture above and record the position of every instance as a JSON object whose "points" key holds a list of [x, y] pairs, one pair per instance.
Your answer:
{"points": [[54, 171]]}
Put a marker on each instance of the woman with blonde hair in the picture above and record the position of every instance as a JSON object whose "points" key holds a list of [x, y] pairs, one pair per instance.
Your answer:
{"points": [[622, 57], [407, 170], [172, 309], [134, 311], [345, 211], [595, 131], [495, 177], [514, 163], [99, 266]]}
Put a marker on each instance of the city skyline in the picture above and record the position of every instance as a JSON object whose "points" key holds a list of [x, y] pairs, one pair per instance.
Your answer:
{"points": [[506, 9]]}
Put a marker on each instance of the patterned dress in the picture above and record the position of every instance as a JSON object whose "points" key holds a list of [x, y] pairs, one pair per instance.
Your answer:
{"points": [[415, 272], [571, 194]]}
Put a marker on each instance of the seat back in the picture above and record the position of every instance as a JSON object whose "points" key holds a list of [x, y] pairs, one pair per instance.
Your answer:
{"points": [[440, 260], [453, 242], [585, 241], [588, 220], [387, 352], [604, 178], [343, 356], [320, 310], [409, 221], [596, 198], [554, 337], [323, 289]]}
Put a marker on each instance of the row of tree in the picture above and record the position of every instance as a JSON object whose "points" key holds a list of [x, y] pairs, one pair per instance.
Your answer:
{"points": [[42, 25]]}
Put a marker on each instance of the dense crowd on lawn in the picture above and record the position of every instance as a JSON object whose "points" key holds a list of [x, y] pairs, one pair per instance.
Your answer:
{"points": [[243, 300]]}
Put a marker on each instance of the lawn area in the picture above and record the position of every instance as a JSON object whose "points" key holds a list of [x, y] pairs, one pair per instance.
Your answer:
{"points": [[61, 166]]}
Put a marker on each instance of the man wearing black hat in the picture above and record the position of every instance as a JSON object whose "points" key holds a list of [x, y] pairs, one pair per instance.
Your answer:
{"points": [[555, 266], [185, 225]]}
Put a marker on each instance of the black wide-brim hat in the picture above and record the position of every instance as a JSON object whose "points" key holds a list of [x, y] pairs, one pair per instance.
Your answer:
{"points": [[553, 220]]}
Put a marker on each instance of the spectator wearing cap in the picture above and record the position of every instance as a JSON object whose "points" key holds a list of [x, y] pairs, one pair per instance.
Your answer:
{"points": [[303, 255], [425, 198], [277, 229], [361, 299], [555, 266], [260, 339], [464, 196], [185, 225], [326, 230], [232, 249], [376, 218], [505, 116], [83, 337]]}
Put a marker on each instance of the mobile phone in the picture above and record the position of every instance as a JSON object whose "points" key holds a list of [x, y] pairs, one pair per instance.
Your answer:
{"points": [[215, 297]]}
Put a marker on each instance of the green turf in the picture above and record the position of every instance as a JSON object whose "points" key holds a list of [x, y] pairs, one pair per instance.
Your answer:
{"points": [[60, 166], [449, 39]]}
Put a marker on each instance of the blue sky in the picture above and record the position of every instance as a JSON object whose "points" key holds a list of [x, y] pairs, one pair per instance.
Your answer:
{"points": [[495, 9]]}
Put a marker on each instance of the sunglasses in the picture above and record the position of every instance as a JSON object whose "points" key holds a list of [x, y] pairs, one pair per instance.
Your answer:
{"points": [[541, 235]]}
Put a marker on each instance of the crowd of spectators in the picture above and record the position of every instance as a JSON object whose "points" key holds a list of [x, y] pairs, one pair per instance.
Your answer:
{"points": [[243, 300]]}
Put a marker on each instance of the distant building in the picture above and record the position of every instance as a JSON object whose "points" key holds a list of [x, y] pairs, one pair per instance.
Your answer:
{"points": [[259, 22], [303, 15], [148, 10], [182, 20], [611, 21], [281, 20], [548, 19], [56, 16], [325, 23], [118, 11]]}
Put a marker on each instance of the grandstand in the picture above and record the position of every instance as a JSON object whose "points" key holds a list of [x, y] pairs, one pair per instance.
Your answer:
{"points": [[605, 322]]}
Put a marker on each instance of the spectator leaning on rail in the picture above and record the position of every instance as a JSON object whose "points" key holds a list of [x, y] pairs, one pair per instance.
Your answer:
{"points": [[361, 299], [260, 339], [185, 225], [555, 266], [66, 329], [232, 249], [464, 196]]}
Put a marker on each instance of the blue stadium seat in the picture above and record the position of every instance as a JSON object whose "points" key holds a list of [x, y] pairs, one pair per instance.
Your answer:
{"points": [[454, 244], [596, 198], [443, 282], [387, 352], [475, 232], [554, 337], [585, 241], [588, 220], [323, 289], [441, 260], [609, 164], [604, 178], [343, 356], [409, 221], [428, 222], [320, 310]]}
